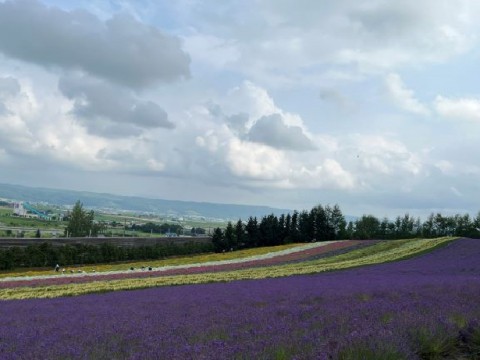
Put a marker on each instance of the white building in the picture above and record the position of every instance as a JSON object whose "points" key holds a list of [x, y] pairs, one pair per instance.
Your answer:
{"points": [[19, 210]]}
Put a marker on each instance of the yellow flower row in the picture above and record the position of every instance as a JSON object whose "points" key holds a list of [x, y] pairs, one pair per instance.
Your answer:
{"points": [[379, 253]]}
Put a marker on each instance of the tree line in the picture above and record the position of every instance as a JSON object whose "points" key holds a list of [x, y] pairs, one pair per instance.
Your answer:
{"points": [[321, 223], [406, 226], [151, 227], [45, 254], [318, 224], [324, 223]]}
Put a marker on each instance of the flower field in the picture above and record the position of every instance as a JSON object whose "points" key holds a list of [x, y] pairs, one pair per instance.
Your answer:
{"points": [[174, 261], [423, 306], [234, 269], [204, 264]]}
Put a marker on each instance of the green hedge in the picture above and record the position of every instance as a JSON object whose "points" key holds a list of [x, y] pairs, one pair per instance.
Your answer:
{"points": [[47, 255]]}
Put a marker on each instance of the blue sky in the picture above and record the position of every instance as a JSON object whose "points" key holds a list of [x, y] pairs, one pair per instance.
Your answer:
{"points": [[373, 105]]}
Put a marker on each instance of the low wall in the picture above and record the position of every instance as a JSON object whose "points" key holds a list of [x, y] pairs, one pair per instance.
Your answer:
{"points": [[117, 241]]}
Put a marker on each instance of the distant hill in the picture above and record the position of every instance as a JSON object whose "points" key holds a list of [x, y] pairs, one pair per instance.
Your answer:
{"points": [[136, 204]]}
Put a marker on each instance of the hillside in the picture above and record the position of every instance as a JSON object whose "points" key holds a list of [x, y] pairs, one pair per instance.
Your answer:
{"points": [[137, 204]]}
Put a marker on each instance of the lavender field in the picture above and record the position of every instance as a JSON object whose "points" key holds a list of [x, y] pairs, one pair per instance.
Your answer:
{"points": [[426, 307]]}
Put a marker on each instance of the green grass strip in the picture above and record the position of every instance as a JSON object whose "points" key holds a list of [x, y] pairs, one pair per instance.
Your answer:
{"points": [[385, 251]]}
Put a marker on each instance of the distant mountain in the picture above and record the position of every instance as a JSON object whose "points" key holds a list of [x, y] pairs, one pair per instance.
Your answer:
{"points": [[136, 204]]}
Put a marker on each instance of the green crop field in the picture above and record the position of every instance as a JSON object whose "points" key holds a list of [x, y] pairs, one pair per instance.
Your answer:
{"points": [[29, 226]]}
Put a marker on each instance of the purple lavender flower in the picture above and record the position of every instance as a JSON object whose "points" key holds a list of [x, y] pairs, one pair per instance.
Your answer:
{"points": [[382, 309]]}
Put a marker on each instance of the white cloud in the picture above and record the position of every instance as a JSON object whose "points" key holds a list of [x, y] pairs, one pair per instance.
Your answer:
{"points": [[250, 99], [62, 142], [255, 101], [155, 165], [120, 49], [380, 155], [253, 115], [210, 141], [289, 44], [40, 127], [250, 64], [266, 160], [272, 130], [256, 161], [458, 109], [269, 167], [111, 111], [330, 174], [403, 97]]}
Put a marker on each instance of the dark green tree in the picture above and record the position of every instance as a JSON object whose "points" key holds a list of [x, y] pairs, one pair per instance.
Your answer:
{"points": [[252, 236], [367, 227], [240, 234], [230, 238], [305, 227], [288, 229], [383, 231], [428, 229], [350, 231], [293, 230], [282, 229], [218, 240], [81, 223], [336, 221], [322, 227], [269, 231], [197, 231], [407, 226]]}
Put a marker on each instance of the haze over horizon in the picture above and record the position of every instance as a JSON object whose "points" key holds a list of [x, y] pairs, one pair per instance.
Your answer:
{"points": [[373, 105]]}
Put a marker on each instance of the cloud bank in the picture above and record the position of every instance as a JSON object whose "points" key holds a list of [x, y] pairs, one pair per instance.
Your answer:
{"points": [[120, 49], [110, 111], [278, 103]]}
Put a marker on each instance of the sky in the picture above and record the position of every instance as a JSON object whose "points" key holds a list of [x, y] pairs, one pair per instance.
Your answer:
{"points": [[373, 105]]}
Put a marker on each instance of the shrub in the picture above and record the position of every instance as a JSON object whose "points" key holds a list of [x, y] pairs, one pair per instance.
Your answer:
{"points": [[434, 343]]}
